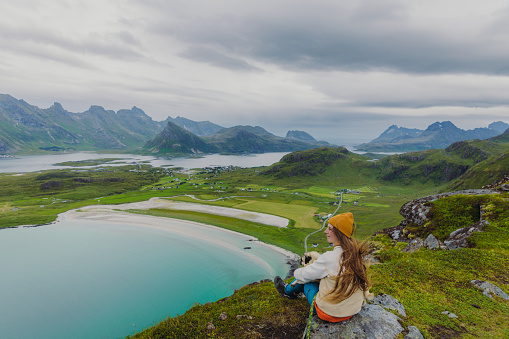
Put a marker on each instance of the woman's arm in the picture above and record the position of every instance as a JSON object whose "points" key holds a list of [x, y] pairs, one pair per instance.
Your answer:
{"points": [[326, 264]]}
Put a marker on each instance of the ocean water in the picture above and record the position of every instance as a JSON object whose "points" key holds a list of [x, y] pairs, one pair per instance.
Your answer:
{"points": [[92, 279], [32, 163]]}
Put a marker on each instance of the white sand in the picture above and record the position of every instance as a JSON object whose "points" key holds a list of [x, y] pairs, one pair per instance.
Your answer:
{"points": [[115, 213], [262, 218]]}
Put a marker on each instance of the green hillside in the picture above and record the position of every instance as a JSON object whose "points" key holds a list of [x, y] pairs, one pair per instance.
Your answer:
{"points": [[26, 128], [175, 140], [464, 164], [325, 165]]}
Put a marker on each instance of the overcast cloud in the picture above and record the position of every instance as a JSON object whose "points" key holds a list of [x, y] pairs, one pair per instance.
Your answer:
{"points": [[343, 71]]}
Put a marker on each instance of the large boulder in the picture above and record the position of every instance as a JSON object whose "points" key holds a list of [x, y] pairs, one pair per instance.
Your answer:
{"points": [[487, 288], [374, 321], [371, 322]]}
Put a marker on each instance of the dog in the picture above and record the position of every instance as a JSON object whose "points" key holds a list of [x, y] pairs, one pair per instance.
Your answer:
{"points": [[308, 258]]}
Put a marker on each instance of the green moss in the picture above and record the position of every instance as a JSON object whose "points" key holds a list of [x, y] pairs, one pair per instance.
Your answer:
{"points": [[452, 213]]}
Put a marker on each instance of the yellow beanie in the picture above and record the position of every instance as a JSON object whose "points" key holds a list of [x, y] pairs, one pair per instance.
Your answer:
{"points": [[343, 222]]}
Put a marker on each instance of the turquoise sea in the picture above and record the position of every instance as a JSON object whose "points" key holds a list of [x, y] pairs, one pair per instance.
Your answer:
{"points": [[92, 279]]}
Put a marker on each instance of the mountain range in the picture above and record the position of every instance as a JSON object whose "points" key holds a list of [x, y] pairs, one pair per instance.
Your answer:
{"points": [[27, 128], [235, 140], [438, 135]]}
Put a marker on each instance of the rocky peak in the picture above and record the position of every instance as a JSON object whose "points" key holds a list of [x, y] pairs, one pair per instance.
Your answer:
{"points": [[300, 135], [499, 126], [441, 126], [57, 107]]}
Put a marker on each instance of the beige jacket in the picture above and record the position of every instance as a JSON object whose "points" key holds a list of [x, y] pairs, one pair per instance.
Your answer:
{"points": [[323, 269]]}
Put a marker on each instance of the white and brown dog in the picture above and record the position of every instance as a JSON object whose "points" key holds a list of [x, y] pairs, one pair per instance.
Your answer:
{"points": [[308, 258]]}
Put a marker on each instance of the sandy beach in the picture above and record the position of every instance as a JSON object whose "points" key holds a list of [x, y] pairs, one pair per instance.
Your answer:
{"points": [[119, 214], [262, 218]]}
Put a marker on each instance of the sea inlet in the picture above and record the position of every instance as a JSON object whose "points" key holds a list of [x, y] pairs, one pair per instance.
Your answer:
{"points": [[109, 277]]}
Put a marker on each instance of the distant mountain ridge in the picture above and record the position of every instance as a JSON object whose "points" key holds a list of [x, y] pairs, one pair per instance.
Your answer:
{"points": [[234, 140], [438, 135], [28, 128]]}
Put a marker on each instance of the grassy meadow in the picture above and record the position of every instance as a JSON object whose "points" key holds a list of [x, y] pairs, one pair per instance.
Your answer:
{"points": [[426, 282]]}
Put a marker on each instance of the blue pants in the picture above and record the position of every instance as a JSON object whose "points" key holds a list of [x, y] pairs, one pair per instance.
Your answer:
{"points": [[309, 289]]}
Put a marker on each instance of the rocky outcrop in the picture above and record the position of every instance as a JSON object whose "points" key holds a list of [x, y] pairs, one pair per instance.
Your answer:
{"points": [[373, 321], [502, 185], [416, 212], [487, 288], [458, 238]]}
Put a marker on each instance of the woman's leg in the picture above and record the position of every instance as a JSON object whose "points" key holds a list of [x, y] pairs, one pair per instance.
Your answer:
{"points": [[294, 290], [310, 290]]}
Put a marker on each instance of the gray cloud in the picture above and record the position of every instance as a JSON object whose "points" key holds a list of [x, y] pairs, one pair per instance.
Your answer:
{"points": [[215, 58], [325, 36], [117, 45]]}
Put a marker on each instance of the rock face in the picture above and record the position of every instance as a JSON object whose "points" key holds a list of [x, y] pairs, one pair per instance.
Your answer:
{"points": [[488, 288], [301, 135], [373, 322]]}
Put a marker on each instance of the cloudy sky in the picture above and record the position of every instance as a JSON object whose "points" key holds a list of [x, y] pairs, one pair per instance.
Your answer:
{"points": [[343, 71]]}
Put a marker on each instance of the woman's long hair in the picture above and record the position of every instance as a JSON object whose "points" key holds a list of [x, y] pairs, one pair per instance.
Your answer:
{"points": [[352, 275]]}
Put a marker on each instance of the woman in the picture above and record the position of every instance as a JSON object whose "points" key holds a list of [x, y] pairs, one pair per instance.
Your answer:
{"points": [[343, 283]]}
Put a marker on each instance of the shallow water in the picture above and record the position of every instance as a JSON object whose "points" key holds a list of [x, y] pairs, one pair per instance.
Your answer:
{"points": [[91, 279], [32, 163]]}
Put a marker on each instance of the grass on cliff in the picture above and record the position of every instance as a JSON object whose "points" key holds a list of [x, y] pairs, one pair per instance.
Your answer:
{"points": [[430, 282]]}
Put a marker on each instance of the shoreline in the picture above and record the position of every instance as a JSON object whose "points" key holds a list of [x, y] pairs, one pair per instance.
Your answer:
{"points": [[105, 212]]}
